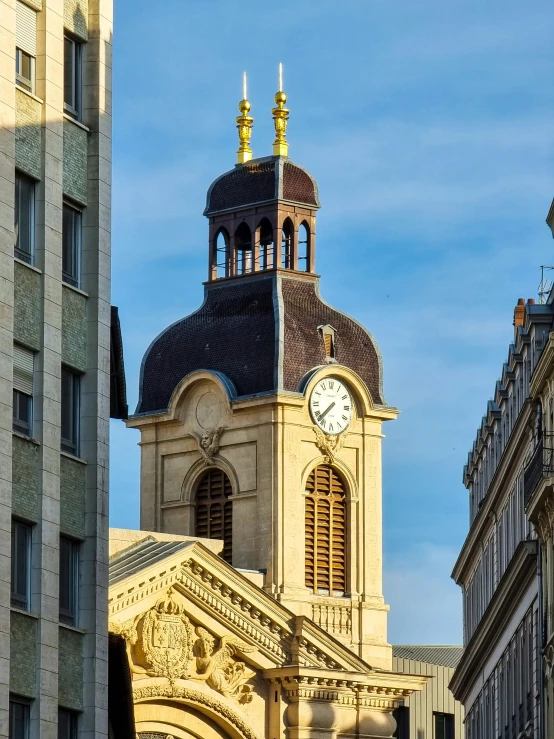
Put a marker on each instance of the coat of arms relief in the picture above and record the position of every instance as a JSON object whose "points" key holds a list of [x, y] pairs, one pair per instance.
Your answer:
{"points": [[163, 643]]}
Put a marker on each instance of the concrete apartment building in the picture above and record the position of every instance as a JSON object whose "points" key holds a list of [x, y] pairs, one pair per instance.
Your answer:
{"points": [[498, 679], [55, 321]]}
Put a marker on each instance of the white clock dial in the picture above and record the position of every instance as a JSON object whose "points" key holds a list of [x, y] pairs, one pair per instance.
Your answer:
{"points": [[331, 405]]}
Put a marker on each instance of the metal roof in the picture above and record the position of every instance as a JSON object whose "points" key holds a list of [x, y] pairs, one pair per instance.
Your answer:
{"points": [[434, 654], [141, 555]]}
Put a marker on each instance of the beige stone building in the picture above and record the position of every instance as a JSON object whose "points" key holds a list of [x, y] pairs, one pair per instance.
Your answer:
{"points": [[55, 328], [251, 603]]}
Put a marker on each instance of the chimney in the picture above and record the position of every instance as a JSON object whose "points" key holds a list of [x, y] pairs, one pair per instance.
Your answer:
{"points": [[519, 314]]}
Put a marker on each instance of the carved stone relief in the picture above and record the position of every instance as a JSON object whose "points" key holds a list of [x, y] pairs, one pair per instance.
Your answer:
{"points": [[208, 444], [163, 643], [330, 446]]}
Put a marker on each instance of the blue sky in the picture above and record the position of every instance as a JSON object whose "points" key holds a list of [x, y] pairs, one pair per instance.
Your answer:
{"points": [[429, 128]]}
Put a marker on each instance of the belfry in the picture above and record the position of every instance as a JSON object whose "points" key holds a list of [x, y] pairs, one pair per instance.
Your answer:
{"points": [[251, 601]]}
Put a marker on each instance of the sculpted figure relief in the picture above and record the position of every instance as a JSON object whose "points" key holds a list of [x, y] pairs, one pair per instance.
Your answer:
{"points": [[218, 668], [208, 443], [330, 446], [162, 643]]}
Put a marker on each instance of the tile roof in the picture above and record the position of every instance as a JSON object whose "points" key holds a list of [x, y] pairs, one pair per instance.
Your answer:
{"points": [[140, 555], [434, 654]]}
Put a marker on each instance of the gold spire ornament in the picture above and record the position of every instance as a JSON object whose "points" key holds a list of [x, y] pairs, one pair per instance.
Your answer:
{"points": [[280, 119], [244, 126]]}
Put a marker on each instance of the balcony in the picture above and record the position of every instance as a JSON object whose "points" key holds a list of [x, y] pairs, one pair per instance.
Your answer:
{"points": [[540, 466]]}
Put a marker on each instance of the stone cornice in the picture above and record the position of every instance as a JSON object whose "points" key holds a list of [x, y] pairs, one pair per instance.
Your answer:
{"points": [[513, 454], [543, 370], [245, 609], [504, 602]]}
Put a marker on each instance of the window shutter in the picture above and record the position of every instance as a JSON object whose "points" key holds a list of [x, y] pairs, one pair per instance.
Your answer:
{"points": [[325, 532], [23, 365], [26, 28], [214, 512]]}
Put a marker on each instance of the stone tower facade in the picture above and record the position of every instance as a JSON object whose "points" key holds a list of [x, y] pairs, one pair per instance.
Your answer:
{"points": [[232, 388]]}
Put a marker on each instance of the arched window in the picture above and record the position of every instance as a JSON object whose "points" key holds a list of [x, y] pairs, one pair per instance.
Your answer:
{"points": [[243, 249], [286, 244], [214, 510], [304, 247], [325, 532], [221, 254], [266, 245]]}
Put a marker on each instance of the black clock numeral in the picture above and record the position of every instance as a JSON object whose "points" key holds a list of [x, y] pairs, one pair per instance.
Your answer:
{"points": [[345, 418], [346, 407], [344, 397], [316, 402], [330, 427], [323, 423], [323, 386], [331, 384]]}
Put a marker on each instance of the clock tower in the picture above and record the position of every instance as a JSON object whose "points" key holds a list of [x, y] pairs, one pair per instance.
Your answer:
{"points": [[261, 413]]}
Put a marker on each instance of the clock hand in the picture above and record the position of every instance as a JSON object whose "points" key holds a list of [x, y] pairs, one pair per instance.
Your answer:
{"points": [[326, 411]]}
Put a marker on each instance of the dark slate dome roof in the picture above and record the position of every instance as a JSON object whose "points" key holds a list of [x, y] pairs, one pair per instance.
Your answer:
{"points": [[238, 332], [261, 181]]}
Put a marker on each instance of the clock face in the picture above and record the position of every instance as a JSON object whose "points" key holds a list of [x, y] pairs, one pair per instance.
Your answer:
{"points": [[331, 405]]}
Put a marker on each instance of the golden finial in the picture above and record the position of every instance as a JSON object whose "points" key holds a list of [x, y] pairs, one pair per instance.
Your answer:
{"points": [[280, 119], [244, 125]]}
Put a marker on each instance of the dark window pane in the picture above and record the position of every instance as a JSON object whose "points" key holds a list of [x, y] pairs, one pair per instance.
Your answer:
{"points": [[24, 217], [69, 72], [67, 724], [22, 409], [21, 550], [71, 233], [70, 412], [69, 566], [19, 720]]}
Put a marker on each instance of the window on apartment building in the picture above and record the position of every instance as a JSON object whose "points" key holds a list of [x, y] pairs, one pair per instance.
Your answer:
{"points": [[71, 387], [25, 70], [21, 565], [69, 580], [20, 715], [24, 218], [71, 245], [23, 369], [444, 726], [67, 724], [72, 96], [26, 46]]}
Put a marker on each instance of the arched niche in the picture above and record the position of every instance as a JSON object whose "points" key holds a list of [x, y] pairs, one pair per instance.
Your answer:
{"points": [[304, 247], [287, 245], [243, 250]]}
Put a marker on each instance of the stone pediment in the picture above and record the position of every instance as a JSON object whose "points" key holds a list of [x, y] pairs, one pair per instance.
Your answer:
{"points": [[152, 577]]}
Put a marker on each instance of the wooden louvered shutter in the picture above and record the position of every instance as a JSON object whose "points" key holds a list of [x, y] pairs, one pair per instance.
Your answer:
{"points": [[325, 532], [214, 510]]}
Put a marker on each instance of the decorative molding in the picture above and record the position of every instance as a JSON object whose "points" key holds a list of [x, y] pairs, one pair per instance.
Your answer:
{"points": [[190, 695], [208, 443]]}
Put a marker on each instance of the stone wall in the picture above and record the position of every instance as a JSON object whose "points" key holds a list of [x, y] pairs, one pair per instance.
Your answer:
{"points": [[27, 134], [23, 654], [70, 670], [72, 497], [25, 478], [74, 329], [74, 162], [27, 316]]}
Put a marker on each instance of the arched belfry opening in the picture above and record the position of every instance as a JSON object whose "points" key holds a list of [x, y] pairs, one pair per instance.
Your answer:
{"points": [[243, 250], [325, 532], [266, 253], [214, 510], [304, 247], [221, 253], [287, 245]]}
